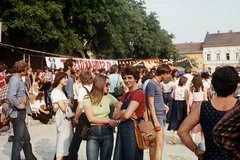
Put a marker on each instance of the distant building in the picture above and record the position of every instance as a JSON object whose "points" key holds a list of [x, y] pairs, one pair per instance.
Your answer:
{"points": [[192, 51], [221, 49]]}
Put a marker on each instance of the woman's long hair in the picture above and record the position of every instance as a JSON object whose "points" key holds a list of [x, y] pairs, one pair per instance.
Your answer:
{"points": [[39, 96], [58, 77], [97, 91], [196, 84]]}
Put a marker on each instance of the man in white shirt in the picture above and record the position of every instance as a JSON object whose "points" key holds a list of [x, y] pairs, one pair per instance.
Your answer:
{"points": [[188, 75]]}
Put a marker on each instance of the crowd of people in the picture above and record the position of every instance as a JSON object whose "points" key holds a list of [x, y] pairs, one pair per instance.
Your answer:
{"points": [[190, 103]]}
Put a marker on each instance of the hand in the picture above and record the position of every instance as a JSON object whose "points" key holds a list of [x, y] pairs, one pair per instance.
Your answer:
{"points": [[38, 112], [199, 153], [23, 105], [157, 126], [76, 120], [47, 112], [113, 123], [73, 121], [134, 116], [166, 108], [188, 111]]}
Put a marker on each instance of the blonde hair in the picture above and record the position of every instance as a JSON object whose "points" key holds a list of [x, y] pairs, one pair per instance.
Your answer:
{"points": [[97, 91]]}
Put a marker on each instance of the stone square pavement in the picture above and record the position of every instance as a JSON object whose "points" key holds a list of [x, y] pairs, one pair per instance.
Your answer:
{"points": [[43, 140]]}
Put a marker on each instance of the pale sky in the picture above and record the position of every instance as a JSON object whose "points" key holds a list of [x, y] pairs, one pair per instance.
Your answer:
{"points": [[190, 20]]}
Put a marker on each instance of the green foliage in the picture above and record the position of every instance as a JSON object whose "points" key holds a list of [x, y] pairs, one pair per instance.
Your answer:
{"points": [[105, 25]]}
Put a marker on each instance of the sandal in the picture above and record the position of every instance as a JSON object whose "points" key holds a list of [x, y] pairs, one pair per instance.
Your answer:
{"points": [[174, 140]]}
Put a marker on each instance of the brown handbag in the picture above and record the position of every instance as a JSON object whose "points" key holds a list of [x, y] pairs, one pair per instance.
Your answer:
{"points": [[145, 132]]}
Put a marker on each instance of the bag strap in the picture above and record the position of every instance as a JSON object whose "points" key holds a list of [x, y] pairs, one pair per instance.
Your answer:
{"points": [[86, 89]]}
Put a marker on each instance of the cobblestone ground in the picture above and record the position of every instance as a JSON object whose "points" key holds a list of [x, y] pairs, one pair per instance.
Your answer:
{"points": [[43, 140]]}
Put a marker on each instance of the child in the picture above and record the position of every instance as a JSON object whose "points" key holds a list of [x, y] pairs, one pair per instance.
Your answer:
{"points": [[179, 111], [198, 93]]}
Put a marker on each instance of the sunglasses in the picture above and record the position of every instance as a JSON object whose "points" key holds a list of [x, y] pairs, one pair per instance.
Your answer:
{"points": [[107, 84]]}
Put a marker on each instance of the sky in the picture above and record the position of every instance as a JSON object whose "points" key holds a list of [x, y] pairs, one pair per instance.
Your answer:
{"points": [[190, 20]]}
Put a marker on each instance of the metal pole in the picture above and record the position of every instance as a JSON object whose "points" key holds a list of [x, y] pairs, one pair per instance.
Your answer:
{"points": [[131, 55]]}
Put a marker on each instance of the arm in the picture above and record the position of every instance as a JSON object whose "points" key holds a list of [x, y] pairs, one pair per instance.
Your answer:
{"points": [[127, 114], [208, 94], [190, 97], [187, 96], [93, 119], [117, 112], [153, 113], [124, 86], [187, 126], [205, 94], [62, 106], [79, 110]]}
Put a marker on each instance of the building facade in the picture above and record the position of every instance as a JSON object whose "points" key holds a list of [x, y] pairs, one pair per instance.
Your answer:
{"points": [[220, 49], [192, 51]]}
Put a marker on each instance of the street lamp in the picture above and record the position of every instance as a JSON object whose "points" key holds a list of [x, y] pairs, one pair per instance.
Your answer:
{"points": [[131, 41]]}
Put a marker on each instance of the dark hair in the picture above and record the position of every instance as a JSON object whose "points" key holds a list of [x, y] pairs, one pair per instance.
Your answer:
{"points": [[37, 79], [68, 63], [7, 78], [102, 70], [19, 66], [58, 77], [2, 68], [46, 68], [182, 80], [187, 70], [39, 96], [149, 75], [162, 69], [10, 71], [225, 80], [196, 83], [173, 72], [113, 68], [130, 70], [205, 75], [144, 78]]}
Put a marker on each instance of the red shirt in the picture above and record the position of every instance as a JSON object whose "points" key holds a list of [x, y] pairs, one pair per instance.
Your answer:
{"points": [[138, 96], [1, 78]]}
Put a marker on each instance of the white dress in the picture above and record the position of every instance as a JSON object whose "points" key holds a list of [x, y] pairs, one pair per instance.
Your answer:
{"points": [[63, 124]]}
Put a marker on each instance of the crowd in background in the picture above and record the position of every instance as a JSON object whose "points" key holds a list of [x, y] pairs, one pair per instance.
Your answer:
{"points": [[171, 98]]}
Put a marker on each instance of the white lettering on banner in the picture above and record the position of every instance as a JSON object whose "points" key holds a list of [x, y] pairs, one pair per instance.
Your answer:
{"points": [[82, 64]]}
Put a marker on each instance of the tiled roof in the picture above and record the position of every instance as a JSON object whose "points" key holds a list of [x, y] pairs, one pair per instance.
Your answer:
{"points": [[189, 47], [222, 39]]}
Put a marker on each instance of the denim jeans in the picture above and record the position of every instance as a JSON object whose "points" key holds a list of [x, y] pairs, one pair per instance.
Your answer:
{"points": [[74, 147], [21, 138], [101, 140], [126, 144], [168, 100]]}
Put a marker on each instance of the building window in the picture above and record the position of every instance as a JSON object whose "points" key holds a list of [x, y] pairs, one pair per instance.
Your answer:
{"points": [[218, 56], [227, 56], [208, 57], [237, 56]]}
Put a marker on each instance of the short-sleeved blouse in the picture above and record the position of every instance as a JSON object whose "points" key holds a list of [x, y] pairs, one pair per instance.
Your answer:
{"points": [[102, 109], [57, 95]]}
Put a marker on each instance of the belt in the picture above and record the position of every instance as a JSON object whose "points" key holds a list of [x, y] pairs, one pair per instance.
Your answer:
{"points": [[101, 125]]}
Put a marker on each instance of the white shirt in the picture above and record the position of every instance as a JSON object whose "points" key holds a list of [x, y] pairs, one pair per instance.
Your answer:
{"points": [[206, 84], [82, 92], [76, 87], [180, 93], [37, 103], [189, 81]]}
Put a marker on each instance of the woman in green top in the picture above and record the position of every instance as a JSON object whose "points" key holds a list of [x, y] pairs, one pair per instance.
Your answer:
{"points": [[97, 108]]}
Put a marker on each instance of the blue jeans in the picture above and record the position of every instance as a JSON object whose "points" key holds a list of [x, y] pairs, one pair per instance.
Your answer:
{"points": [[21, 139], [101, 140], [74, 147], [168, 101]]}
